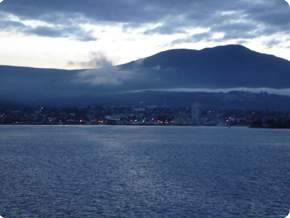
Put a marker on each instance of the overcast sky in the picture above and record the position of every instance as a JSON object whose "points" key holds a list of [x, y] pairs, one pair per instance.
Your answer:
{"points": [[100, 33]]}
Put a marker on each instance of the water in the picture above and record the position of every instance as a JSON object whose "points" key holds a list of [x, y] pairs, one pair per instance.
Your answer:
{"points": [[131, 171]]}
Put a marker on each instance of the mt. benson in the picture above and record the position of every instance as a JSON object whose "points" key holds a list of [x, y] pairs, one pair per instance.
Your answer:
{"points": [[222, 77]]}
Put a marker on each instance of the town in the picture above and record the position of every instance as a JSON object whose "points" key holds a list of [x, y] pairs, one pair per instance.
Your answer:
{"points": [[144, 115]]}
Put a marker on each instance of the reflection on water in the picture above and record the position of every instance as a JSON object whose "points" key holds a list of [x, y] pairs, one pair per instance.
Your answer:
{"points": [[104, 171]]}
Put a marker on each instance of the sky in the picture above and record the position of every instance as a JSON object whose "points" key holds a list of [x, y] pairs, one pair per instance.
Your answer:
{"points": [[81, 34]]}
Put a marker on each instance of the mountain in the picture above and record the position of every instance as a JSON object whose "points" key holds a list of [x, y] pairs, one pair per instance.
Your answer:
{"points": [[175, 77], [219, 67]]}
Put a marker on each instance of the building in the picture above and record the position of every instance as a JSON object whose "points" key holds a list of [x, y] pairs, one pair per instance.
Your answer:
{"points": [[196, 114]]}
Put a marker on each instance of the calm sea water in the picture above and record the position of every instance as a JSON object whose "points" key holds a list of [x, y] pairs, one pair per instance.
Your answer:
{"points": [[129, 171]]}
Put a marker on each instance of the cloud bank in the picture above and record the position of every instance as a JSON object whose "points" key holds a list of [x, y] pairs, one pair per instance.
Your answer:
{"points": [[223, 90], [217, 21]]}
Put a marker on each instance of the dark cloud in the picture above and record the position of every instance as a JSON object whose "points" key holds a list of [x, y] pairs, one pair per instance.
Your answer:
{"points": [[170, 26], [66, 32], [47, 31], [11, 25], [234, 27], [272, 43], [206, 36], [113, 10], [245, 18]]}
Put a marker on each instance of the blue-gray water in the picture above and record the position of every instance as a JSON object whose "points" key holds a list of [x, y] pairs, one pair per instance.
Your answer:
{"points": [[127, 171]]}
